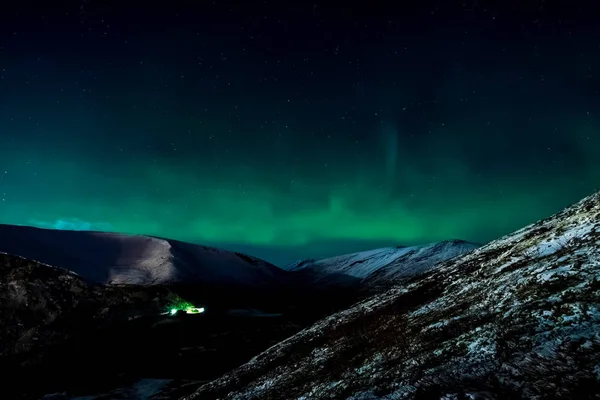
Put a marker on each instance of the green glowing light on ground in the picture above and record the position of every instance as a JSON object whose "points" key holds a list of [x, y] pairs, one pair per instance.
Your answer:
{"points": [[179, 304]]}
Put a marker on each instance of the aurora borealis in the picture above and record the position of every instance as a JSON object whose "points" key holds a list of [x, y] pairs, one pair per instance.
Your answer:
{"points": [[290, 130]]}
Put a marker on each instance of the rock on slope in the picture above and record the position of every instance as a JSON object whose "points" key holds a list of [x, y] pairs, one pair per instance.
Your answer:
{"points": [[135, 259], [32, 296], [41, 305], [52, 320], [516, 318], [387, 264]]}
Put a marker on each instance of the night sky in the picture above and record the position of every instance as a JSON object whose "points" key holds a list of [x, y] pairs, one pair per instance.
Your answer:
{"points": [[289, 130]]}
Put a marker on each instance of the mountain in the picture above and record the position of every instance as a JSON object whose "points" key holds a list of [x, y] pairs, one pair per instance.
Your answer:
{"points": [[218, 279], [384, 265], [33, 296], [73, 300], [58, 327], [101, 257], [54, 325], [516, 318]]}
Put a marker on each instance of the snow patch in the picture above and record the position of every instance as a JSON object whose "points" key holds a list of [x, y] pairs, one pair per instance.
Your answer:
{"points": [[390, 262]]}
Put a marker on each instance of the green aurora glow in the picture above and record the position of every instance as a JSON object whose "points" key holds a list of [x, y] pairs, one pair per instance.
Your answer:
{"points": [[272, 143], [238, 205]]}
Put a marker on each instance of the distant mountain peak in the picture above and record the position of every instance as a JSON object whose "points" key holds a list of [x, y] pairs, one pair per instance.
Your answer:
{"points": [[388, 263], [102, 257]]}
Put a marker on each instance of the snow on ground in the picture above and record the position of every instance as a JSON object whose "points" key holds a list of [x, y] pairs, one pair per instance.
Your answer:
{"points": [[143, 389], [517, 318], [389, 262], [359, 265], [114, 258]]}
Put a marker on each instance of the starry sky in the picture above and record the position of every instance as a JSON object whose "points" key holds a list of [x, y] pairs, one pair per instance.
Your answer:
{"points": [[297, 129]]}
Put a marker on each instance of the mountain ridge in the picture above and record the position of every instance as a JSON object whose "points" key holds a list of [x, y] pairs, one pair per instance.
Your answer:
{"points": [[115, 258], [386, 264], [516, 318]]}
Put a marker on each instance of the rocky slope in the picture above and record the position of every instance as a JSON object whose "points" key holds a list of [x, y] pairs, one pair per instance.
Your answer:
{"points": [[33, 296], [61, 329], [517, 318], [52, 318], [41, 305], [101, 257], [382, 266]]}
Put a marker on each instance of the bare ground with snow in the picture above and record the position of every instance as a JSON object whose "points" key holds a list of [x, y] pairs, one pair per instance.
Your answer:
{"points": [[388, 264], [102, 257], [517, 318]]}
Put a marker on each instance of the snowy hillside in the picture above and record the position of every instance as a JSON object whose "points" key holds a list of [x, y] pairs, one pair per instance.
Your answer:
{"points": [[517, 318], [388, 263], [123, 259]]}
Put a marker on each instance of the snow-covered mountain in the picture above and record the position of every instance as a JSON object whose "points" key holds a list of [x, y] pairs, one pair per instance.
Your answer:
{"points": [[517, 318], [387, 264], [101, 257]]}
